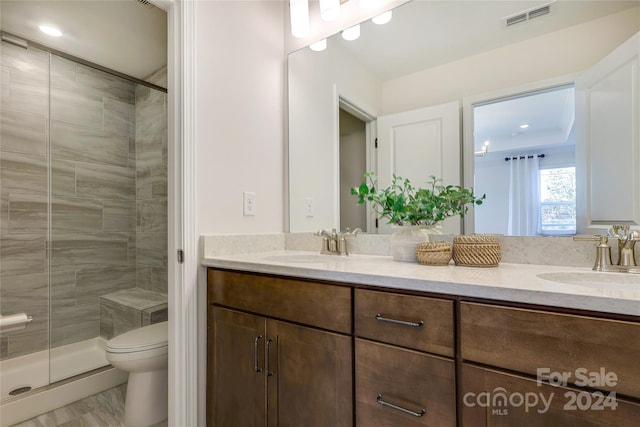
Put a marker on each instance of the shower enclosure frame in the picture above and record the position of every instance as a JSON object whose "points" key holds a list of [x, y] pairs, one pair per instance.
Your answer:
{"points": [[51, 52]]}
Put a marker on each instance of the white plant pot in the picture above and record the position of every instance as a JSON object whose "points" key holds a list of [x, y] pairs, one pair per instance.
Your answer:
{"points": [[406, 238]]}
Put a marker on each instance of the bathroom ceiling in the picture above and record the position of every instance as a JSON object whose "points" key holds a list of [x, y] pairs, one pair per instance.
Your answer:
{"points": [[424, 34], [127, 36]]}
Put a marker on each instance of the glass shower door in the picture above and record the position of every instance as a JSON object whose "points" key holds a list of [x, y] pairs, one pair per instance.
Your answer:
{"points": [[24, 217], [93, 209]]}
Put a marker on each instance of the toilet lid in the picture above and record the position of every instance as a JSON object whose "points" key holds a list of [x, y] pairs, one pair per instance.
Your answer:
{"points": [[145, 338]]}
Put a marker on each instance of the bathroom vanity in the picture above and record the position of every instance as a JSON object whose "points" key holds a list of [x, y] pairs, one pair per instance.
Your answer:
{"points": [[304, 339]]}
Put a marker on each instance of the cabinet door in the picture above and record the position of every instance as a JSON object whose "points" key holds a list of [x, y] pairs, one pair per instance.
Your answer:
{"points": [[411, 381], [310, 381], [494, 399], [236, 381]]}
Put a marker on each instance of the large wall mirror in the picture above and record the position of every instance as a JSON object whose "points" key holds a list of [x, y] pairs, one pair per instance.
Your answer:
{"points": [[479, 58]]}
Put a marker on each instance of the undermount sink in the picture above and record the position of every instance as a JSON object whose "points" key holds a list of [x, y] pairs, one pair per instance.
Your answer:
{"points": [[306, 258], [593, 279]]}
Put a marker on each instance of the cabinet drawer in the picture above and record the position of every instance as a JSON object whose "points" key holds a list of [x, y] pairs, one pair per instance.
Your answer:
{"points": [[529, 340], [376, 313], [492, 398], [315, 304], [405, 378]]}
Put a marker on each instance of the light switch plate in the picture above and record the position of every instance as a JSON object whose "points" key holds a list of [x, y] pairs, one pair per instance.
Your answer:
{"points": [[249, 199]]}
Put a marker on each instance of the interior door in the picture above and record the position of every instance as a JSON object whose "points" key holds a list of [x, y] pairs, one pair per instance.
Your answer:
{"points": [[608, 140], [417, 144]]}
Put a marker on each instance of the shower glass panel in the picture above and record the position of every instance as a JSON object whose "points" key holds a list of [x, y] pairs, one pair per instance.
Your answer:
{"points": [[83, 213], [24, 217], [93, 207]]}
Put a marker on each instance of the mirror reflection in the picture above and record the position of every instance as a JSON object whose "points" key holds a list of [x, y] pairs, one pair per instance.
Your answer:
{"points": [[432, 54]]}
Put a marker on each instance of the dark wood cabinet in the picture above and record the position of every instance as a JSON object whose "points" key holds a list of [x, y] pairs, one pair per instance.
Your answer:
{"points": [[398, 381], [287, 352], [263, 371], [527, 340], [421, 387], [492, 398], [581, 366]]}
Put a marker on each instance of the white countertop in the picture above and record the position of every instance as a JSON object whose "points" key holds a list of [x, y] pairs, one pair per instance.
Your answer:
{"points": [[573, 287]]}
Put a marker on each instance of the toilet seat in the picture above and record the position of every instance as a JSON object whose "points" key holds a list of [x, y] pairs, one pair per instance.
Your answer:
{"points": [[152, 337]]}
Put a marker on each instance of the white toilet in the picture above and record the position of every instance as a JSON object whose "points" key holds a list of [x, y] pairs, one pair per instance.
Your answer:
{"points": [[143, 354]]}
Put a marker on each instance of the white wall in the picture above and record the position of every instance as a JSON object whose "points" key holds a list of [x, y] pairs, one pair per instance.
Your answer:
{"points": [[556, 54], [314, 87], [240, 75]]}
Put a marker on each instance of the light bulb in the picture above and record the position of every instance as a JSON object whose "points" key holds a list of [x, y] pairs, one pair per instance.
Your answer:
{"points": [[329, 10], [299, 10], [50, 31], [319, 45], [352, 33], [382, 18]]}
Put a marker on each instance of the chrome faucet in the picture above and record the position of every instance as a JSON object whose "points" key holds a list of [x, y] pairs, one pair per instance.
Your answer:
{"points": [[335, 242]]}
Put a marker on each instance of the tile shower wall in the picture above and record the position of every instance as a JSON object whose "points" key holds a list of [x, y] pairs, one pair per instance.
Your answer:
{"points": [[24, 114]]}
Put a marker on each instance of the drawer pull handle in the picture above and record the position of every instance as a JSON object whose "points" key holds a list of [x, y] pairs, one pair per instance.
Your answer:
{"points": [[400, 408], [255, 354], [267, 367], [417, 324]]}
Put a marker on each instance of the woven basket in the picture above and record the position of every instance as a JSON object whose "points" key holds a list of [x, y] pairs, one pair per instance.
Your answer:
{"points": [[434, 253], [476, 251]]}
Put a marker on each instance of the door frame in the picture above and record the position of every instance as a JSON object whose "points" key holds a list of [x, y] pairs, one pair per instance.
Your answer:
{"points": [[468, 150], [185, 329], [342, 101]]}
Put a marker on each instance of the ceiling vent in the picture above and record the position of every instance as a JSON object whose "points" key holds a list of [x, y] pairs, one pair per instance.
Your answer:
{"points": [[146, 3], [527, 15]]}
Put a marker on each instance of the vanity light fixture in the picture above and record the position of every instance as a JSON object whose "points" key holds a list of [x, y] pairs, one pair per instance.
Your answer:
{"points": [[50, 31], [524, 126], [318, 46], [329, 10], [351, 33], [382, 18], [299, 10]]}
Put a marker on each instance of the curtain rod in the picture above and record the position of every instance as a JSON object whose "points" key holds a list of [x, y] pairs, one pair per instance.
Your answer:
{"points": [[506, 159]]}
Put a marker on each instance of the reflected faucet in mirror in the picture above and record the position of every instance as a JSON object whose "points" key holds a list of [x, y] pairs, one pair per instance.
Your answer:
{"points": [[335, 242]]}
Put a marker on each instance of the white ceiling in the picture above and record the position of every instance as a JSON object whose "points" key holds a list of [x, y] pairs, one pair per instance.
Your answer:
{"points": [[426, 33], [124, 35], [549, 115]]}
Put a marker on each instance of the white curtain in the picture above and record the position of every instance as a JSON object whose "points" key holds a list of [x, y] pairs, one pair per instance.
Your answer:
{"points": [[524, 196]]}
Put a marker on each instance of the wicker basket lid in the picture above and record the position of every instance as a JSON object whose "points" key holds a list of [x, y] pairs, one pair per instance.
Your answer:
{"points": [[475, 239], [434, 247]]}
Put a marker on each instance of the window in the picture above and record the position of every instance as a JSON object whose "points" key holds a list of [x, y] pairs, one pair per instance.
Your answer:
{"points": [[558, 200]]}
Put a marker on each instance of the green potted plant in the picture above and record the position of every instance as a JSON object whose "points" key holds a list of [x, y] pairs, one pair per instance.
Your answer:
{"points": [[423, 209]]}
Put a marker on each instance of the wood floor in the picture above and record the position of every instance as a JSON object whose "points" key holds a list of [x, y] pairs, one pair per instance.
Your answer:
{"points": [[104, 409]]}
